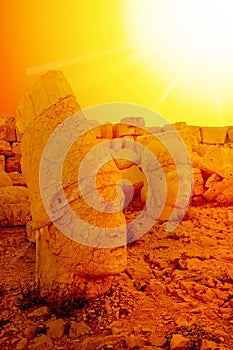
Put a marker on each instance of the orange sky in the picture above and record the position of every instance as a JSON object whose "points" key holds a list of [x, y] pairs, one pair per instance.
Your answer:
{"points": [[90, 41]]}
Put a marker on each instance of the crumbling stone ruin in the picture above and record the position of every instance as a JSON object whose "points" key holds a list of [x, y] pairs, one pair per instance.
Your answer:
{"points": [[14, 198], [62, 261]]}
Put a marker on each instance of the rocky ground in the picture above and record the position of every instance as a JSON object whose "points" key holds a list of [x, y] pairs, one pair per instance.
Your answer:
{"points": [[175, 294]]}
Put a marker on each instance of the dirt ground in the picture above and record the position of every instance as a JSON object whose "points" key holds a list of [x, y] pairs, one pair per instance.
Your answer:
{"points": [[177, 289]]}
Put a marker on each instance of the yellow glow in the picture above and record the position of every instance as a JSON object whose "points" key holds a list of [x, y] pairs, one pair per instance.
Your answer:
{"points": [[189, 29], [187, 46], [173, 56]]}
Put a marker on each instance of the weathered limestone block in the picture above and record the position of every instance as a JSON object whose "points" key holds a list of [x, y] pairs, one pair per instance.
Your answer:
{"points": [[106, 131], [196, 160], [14, 206], [14, 195], [136, 177], [5, 179], [126, 158], [2, 163], [137, 121], [143, 140], [212, 180], [195, 132], [117, 144], [154, 129], [221, 192], [97, 131], [214, 135], [16, 147], [180, 125], [17, 179], [218, 160], [135, 127], [62, 260], [30, 231], [195, 137], [11, 129], [161, 153], [50, 89], [162, 146], [5, 148], [201, 149], [171, 207], [3, 132], [187, 138], [198, 182], [175, 145], [13, 164], [230, 134], [7, 128], [226, 197]]}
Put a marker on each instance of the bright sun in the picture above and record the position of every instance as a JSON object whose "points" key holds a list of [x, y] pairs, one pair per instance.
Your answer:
{"points": [[189, 42], [194, 30]]}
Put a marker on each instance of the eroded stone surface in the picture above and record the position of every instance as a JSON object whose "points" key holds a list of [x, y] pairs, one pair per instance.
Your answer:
{"points": [[218, 160], [5, 179], [14, 206], [214, 135], [62, 261]]}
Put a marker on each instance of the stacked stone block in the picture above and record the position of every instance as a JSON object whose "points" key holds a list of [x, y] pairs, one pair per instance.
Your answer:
{"points": [[14, 200]]}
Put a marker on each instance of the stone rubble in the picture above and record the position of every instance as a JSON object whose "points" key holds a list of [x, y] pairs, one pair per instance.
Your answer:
{"points": [[177, 290]]}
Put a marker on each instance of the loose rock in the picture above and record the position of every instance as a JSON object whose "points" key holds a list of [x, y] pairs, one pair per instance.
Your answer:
{"points": [[56, 328]]}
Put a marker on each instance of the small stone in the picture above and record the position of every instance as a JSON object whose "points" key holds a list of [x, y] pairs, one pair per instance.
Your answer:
{"points": [[157, 340], [139, 271], [40, 312], [13, 340], [209, 313], [221, 333], [117, 328], [208, 345], [22, 344], [179, 342], [56, 328], [78, 329], [134, 342], [94, 343], [43, 342], [30, 332]]}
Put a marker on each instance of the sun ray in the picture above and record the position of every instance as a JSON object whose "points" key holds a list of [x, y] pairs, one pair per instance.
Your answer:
{"points": [[74, 60], [216, 95], [167, 92]]}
